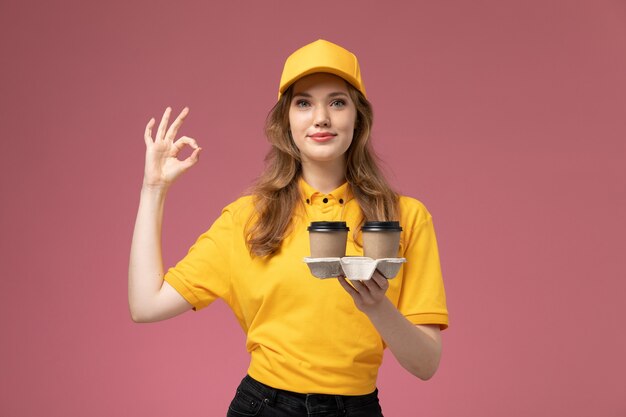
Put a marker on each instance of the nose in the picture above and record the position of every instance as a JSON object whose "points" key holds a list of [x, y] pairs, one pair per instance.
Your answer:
{"points": [[321, 117]]}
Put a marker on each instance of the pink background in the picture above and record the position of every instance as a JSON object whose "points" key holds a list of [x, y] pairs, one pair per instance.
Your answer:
{"points": [[507, 119]]}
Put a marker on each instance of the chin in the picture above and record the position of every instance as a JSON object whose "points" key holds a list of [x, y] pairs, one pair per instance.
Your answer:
{"points": [[325, 155], [323, 158]]}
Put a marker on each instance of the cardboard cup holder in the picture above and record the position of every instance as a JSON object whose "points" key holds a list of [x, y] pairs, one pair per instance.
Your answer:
{"points": [[356, 268]]}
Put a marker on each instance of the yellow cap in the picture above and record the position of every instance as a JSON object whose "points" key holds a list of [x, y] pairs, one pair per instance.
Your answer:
{"points": [[321, 56]]}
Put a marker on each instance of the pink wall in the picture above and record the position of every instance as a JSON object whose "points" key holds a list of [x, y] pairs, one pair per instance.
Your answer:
{"points": [[507, 119]]}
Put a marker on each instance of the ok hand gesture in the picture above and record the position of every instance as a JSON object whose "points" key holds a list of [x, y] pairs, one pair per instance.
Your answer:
{"points": [[162, 166]]}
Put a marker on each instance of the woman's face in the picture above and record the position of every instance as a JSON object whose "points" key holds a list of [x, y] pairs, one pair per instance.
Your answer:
{"points": [[321, 117]]}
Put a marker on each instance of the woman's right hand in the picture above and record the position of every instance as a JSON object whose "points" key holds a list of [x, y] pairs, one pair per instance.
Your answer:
{"points": [[162, 165]]}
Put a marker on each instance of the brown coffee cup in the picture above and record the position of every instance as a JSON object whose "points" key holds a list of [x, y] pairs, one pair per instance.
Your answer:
{"points": [[328, 239], [381, 239]]}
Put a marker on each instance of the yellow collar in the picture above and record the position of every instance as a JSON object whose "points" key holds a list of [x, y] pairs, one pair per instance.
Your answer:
{"points": [[341, 194]]}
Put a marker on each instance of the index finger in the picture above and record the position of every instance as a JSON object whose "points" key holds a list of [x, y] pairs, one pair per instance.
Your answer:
{"points": [[347, 285], [380, 279], [171, 132]]}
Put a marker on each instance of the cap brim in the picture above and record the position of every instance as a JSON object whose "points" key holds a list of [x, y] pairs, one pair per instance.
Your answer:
{"points": [[329, 70]]}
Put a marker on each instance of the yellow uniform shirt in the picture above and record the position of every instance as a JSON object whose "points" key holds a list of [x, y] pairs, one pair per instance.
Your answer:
{"points": [[305, 334]]}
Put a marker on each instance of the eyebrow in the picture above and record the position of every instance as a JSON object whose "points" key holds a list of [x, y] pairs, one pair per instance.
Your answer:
{"points": [[335, 94]]}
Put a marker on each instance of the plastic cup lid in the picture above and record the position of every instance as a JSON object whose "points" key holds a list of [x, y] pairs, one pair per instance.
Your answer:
{"points": [[381, 227], [328, 227]]}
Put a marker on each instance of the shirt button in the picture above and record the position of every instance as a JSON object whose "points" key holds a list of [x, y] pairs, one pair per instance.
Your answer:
{"points": [[325, 200]]}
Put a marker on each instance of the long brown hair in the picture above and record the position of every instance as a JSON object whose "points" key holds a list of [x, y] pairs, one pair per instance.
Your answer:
{"points": [[276, 193]]}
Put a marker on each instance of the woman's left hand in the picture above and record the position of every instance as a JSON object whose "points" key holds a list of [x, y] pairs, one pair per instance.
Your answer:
{"points": [[368, 294]]}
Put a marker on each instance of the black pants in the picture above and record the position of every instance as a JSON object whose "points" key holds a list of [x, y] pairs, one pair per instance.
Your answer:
{"points": [[256, 399]]}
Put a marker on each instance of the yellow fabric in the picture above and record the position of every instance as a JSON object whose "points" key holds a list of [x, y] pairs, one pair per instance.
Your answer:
{"points": [[305, 334], [321, 56]]}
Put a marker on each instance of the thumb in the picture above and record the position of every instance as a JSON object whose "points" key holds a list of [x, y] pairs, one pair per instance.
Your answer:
{"points": [[193, 158]]}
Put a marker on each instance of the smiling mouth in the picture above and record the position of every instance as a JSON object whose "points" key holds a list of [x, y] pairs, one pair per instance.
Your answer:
{"points": [[322, 137]]}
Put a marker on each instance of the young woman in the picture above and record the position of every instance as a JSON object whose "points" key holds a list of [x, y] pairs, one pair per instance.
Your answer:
{"points": [[315, 345]]}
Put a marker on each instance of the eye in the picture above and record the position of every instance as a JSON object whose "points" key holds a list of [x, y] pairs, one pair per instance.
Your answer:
{"points": [[302, 103], [338, 103]]}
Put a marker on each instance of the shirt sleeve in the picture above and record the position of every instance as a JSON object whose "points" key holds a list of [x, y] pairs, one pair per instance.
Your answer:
{"points": [[203, 275], [422, 297]]}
